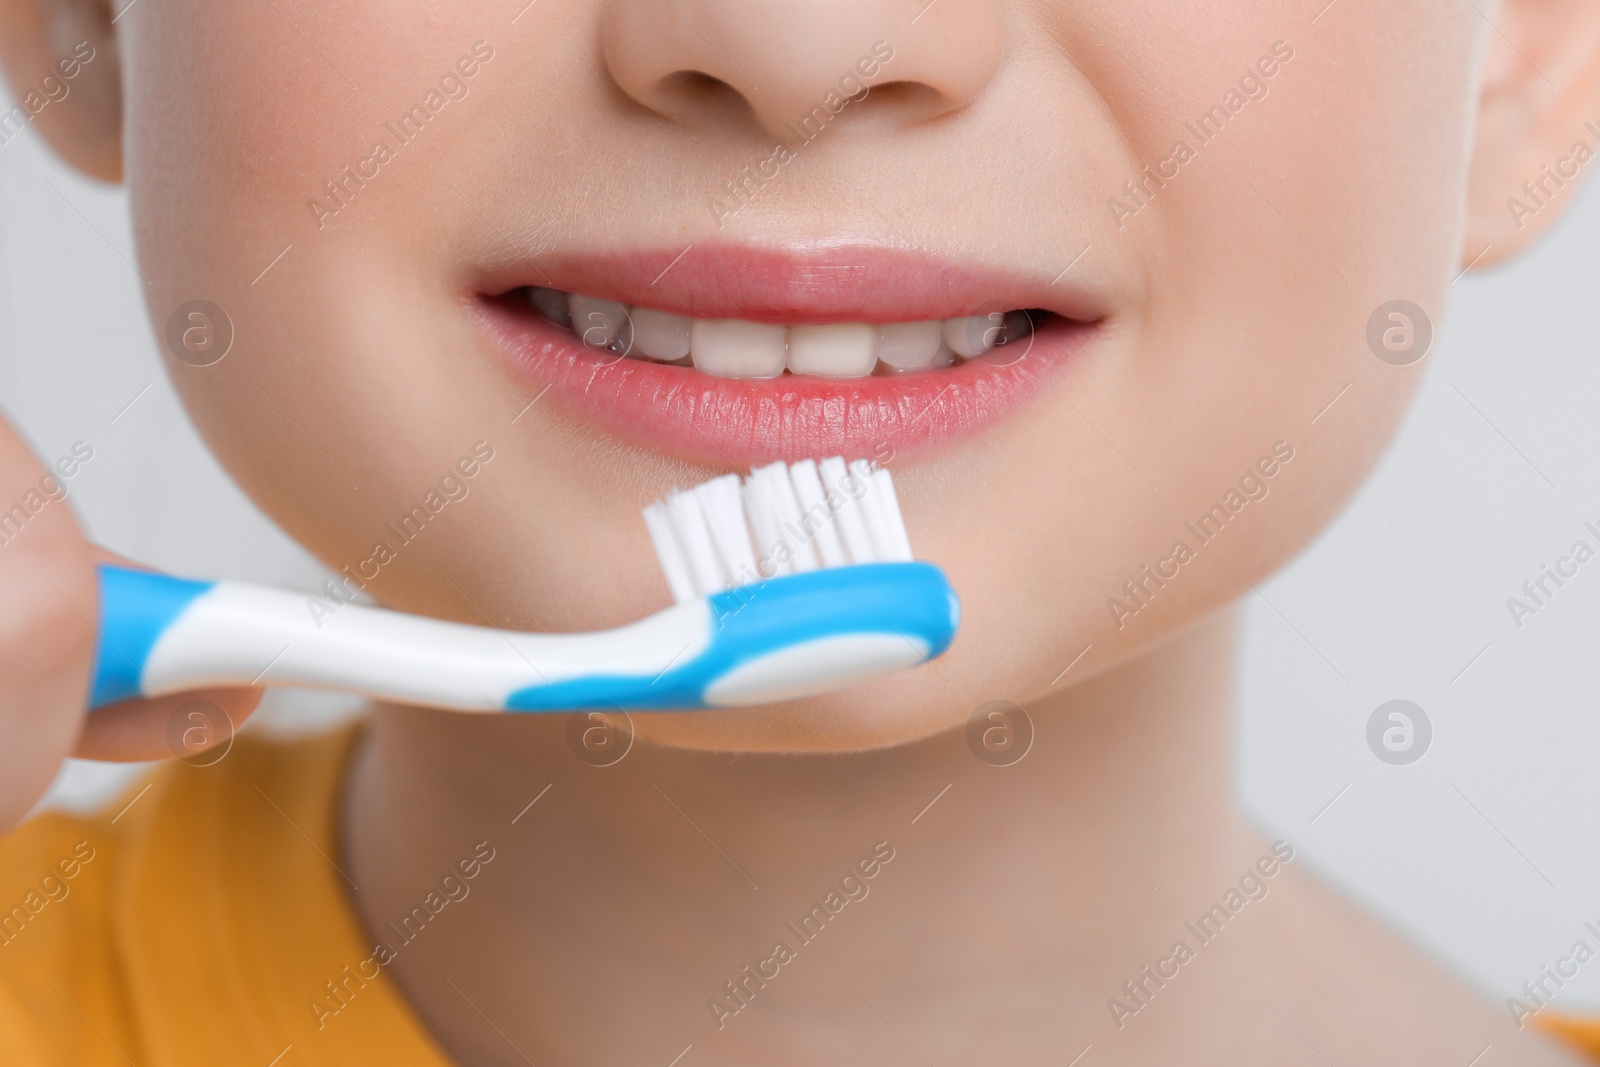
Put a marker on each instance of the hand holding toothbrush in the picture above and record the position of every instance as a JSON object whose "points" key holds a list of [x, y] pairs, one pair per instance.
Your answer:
{"points": [[49, 586], [795, 581]]}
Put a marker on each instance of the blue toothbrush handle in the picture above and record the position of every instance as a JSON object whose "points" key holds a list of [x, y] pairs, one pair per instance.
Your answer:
{"points": [[780, 639], [136, 608]]}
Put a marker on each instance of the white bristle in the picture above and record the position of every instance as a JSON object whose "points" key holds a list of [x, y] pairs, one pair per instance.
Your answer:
{"points": [[887, 529], [723, 504], [765, 518], [689, 527], [779, 495], [871, 511], [894, 524], [673, 563], [851, 522], [814, 506], [780, 519]]}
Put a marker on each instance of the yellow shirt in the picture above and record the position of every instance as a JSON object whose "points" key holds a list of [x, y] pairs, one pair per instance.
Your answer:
{"points": [[198, 925], [201, 920], [1581, 1034]]}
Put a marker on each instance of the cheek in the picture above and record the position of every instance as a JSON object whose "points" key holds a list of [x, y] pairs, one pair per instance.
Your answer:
{"points": [[353, 384], [1264, 259]]}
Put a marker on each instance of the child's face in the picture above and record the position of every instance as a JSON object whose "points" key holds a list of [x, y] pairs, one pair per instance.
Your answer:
{"points": [[359, 184]]}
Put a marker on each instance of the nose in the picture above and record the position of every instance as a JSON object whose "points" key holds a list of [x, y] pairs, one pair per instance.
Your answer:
{"points": [[793, 66]]}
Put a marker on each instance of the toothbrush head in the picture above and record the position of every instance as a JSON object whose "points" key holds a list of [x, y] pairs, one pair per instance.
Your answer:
{"points": [[783, 519], [808, 582]]}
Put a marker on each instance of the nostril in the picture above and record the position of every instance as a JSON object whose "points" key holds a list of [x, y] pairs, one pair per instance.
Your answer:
{"points": [[694, 93], [905, 100], [694, 82], [905, 91]]}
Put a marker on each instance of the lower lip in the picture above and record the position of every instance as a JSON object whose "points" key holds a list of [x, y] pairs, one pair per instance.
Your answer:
{"points": [[740, 423]]}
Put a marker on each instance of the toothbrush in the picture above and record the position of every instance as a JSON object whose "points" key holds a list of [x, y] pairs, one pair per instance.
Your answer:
{"points": [[795, 581]]}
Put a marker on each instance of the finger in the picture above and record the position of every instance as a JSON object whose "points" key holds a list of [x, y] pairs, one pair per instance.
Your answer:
{"points": [[179, 726], [46, 627], [105, 555]]}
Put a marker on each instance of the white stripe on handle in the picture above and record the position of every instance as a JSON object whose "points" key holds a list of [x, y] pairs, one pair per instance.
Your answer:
{"points": [[236, 634]]}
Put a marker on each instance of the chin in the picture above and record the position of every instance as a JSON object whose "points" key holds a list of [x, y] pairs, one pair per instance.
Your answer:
{"points": [[881, 716]]}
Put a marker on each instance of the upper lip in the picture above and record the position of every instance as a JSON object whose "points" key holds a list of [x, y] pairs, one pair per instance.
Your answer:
{"points": [[822, 283]]}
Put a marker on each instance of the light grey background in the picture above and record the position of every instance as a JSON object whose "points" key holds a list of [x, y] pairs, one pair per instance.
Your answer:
{"points": [[1483, 850]]}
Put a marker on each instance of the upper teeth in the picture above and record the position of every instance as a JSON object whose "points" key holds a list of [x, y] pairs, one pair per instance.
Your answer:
{"points": [[737, 348]]}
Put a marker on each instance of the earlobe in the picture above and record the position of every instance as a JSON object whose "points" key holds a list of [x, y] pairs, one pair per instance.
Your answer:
{"points": [[1538, 130], [64, 71]]}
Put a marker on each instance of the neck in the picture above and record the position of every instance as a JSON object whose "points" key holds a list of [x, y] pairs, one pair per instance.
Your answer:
{"points": [[667, 882]]}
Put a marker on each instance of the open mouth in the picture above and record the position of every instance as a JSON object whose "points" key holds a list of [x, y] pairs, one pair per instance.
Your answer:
{"points": [[740, 348], [741, 357]]}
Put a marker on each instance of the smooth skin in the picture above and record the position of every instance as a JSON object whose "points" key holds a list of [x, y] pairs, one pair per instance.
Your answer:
{"points": [[1392, 140]]}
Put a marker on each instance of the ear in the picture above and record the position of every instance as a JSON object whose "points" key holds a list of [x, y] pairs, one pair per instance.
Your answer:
{"points": [[1538, 123], [61, 61]]}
